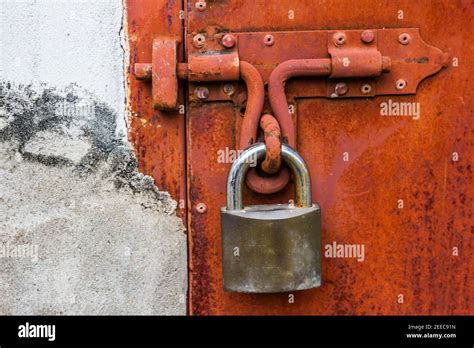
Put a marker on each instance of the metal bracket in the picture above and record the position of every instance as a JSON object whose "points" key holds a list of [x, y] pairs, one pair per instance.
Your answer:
{"points": [[364, 63]]}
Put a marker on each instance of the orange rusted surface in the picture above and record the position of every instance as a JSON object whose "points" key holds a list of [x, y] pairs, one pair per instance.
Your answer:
{"points": [[164, 78], [390, 53], [399, 186], [253, 111], [272, 139], [143, 71], [392, 184], [158, 137], [217, 67], [248, 134], [276, 89], [363, 63], [260, 182]]}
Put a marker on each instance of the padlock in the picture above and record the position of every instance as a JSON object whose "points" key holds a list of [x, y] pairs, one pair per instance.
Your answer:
{"points": [[270, 248]]}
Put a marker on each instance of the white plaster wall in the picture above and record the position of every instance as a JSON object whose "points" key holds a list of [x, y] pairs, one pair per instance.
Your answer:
{"points": [[108, 241], [62, 41]]}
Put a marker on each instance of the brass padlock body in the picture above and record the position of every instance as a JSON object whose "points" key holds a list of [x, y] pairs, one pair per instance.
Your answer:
{"points": [[271, 248]]}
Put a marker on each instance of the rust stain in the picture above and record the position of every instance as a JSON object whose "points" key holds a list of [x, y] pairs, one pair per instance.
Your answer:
{"points": [[409, 250], [158, 137], [421, 60]]}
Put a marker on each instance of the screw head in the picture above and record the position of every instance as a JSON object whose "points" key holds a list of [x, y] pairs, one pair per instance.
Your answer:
{"points": [[201, 208], [367, 36], [199, 41], [400, 84], [201, 93], [341, 88], [229, 89], [200, 5], [404, 38], [269, 40], [339, 39], [228, 41], [366, 88]]}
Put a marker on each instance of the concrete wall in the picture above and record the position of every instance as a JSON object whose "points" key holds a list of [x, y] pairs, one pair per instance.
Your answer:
{"points": [[81, 230]]}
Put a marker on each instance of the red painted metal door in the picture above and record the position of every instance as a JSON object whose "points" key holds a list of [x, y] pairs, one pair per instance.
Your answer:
{"points": [[399, 188]]}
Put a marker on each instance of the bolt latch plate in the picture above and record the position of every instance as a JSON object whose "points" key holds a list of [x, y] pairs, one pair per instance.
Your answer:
{"points": [[369, 62], [365, 63]]}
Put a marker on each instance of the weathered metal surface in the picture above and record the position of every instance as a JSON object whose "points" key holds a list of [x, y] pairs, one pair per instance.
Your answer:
{"points": [[353, 53], [164, 78], [261, 182], [212, 62], [272, 139], [253, 111], [276, 90], [143, 71], [158, 137], [214, 66], [249, 132], [409, 250], [352, 57], [412, 61]]}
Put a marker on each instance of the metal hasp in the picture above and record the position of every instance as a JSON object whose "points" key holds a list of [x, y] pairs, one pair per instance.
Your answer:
{"points": [[343, 63], [270, 248], [365, 54]]}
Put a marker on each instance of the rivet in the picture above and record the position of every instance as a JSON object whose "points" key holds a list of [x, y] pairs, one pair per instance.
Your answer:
{"points": [[199, 41], [367, 36], [341, 88], [201, 93], [400, 84], [339, 39], [269, 40], [404, 38], [201, 5], [366, 88], [228, 89], [228, 41], [201, 208]]}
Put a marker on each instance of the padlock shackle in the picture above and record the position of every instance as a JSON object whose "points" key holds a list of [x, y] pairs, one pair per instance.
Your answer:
{"points": [[256, 152]]}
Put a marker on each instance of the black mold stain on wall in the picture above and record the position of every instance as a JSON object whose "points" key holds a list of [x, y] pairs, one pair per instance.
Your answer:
{"points": [[31, 111], [69, 114]]}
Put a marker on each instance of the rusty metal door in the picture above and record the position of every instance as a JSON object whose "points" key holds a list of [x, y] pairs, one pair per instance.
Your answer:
{"points": [[395, 187]]}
